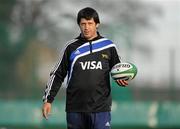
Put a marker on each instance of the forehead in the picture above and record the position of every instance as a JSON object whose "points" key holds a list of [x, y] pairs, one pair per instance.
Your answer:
{"points": [[83, 20]]}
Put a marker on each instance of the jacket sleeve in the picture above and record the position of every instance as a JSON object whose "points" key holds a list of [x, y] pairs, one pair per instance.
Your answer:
{"points": [[115, 58], [56, 78]]}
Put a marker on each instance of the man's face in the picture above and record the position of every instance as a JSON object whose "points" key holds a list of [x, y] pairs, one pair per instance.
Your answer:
{"points": [[88, 28]]}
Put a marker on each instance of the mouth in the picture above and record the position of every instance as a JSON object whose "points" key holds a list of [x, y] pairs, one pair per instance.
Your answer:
{"points": [[86, 33]]}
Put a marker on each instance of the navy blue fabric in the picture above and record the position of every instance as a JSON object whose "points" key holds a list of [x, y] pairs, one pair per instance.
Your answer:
{"points": [[100, 120]]}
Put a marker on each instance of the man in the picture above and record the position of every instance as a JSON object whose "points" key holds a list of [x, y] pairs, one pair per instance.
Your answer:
{"points": [[87, 60]]}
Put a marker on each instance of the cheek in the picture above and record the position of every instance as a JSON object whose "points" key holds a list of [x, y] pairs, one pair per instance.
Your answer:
{"points": [[94, 29], [82, 29]]}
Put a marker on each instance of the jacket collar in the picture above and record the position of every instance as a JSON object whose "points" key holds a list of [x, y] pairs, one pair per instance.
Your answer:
{"points": [[85, 40]]}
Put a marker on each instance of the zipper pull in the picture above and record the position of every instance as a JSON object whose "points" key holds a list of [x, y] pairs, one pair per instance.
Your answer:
{"points": [[90, 45]]}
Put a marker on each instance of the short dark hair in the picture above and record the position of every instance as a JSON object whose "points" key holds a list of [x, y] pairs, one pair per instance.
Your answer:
{"points": [[88, 13]]}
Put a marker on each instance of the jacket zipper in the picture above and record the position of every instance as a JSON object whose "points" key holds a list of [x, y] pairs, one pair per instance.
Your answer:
{"points": [[90, 45]]}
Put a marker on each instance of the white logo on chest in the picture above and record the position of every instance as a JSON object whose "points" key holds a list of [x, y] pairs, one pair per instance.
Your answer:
{"points": [[91, 65]]}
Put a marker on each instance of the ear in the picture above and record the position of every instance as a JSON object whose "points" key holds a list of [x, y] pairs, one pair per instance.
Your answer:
{"points": [[97, 25]]}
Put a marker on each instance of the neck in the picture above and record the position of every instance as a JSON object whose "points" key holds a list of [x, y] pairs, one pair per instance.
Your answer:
{"points": [[91, 38]]}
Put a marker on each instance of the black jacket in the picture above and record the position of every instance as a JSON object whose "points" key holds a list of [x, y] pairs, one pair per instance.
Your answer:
{"points": [[87, 64]]}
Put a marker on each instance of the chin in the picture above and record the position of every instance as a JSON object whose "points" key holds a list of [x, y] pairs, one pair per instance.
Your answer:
{"points": [[87, 37]]}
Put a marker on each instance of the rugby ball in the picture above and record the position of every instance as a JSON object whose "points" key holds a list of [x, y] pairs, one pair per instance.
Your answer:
{"points": [[125, 71]]}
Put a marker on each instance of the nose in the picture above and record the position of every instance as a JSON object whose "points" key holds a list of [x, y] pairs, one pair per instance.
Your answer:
{"points": [[86, 27]]}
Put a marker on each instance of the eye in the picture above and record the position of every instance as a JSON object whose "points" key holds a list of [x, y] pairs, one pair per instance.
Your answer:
{"points": [[82, 24], [90, 23]]}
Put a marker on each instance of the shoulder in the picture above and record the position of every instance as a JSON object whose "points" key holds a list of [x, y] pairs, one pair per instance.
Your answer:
{"points": [[66, 47], [105, 39], [112, 42], [70, 42], [106, 42], [111, 45]]}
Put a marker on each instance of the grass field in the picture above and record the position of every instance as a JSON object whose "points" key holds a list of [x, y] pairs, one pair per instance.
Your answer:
{"points": [[65, 128]]}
